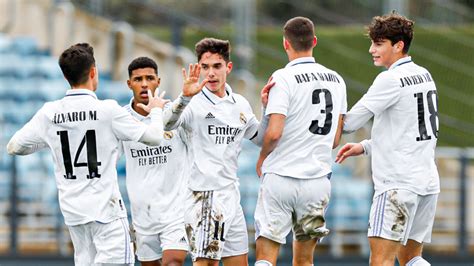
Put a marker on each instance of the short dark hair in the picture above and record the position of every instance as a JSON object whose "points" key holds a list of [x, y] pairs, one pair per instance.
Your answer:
{"points": [[215, 46], [76, 62], [393, 27], [142, 62], [299, 31]]}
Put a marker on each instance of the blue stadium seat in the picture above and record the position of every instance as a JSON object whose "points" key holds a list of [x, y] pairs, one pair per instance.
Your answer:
{"points": [[25, 45], [48, 68], [5, 44]]}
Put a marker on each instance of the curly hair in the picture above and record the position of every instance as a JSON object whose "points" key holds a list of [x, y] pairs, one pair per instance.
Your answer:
{"points": [[393, 27]]}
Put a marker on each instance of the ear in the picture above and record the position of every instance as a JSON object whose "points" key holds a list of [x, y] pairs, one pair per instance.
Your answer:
{"points": [[286, 44], [158, 80], [315, 41], [92, 72], [129, 84], [229, 67], [399, 46]]}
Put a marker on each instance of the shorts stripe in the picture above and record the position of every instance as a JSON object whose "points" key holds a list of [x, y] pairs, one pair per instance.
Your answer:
{"points": [[382, 213], [379, 214], [127, 242], [201, 232], [375, 223], [206, 214]]}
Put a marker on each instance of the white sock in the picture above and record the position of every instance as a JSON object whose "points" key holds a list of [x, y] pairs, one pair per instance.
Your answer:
{"points": [[418, 261], [263, 263]]}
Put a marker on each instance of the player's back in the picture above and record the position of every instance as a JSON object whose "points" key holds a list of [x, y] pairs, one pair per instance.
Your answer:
{"points": [[405, 133], [83, 134], [311, 97]]}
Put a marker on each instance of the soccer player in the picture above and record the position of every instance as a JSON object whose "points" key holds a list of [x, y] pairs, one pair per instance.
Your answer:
{"points": [[403, 102], [305, 110], [83, 134], [156, 178], [217, 119]]}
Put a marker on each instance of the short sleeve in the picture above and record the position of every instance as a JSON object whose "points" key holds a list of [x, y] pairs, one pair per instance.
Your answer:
{"points": [[384, 92], [279, 97]]}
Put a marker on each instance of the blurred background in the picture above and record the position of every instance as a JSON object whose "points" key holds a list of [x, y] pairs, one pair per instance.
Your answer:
{"points": [[34, 32]]}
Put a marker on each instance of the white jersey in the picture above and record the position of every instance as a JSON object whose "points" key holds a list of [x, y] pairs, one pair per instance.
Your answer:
{"points": [[216, 127], [156, 180], [311, 97], [83, 134], [405, 130]]}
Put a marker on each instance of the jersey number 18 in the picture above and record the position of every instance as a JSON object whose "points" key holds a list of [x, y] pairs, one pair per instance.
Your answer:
{"points": [[431, 99]]}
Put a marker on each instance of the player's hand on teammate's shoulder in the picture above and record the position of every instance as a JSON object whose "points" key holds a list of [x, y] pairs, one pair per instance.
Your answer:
{"points": [[191, 85], [154, 101], [265, 91]]}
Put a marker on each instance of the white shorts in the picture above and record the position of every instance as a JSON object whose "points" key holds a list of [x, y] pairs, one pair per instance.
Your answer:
{"points": [[286, 203], [400, 215], [215, 223], [96, 243], [151, 247]]}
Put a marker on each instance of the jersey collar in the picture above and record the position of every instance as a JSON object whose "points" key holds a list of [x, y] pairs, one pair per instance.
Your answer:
{"points": [[401, 61], [80, 92], [301, 60], [217, 100]]}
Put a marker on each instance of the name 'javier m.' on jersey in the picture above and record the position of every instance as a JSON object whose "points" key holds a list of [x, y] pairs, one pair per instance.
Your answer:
{"points": [[311, 97], [404, 102]]}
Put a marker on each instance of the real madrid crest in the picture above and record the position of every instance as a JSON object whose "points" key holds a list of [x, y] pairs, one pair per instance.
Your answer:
{"points": [[168, 135], [243, 119]]}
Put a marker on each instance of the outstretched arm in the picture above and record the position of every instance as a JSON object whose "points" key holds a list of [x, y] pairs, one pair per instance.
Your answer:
{"points": [[15, 148], [191, 87], [356, 117], [272, 136], [27, 140], [337, 137], [353, 149], [258, 139]]}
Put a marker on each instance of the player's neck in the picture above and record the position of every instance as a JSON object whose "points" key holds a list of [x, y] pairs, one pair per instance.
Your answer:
{"points": [[295, 55], [138, 109], [395, 59], [88, 85]]}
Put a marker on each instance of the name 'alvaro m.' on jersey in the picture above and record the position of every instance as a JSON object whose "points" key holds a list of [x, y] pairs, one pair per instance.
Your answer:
{"points": [[85, 155]]}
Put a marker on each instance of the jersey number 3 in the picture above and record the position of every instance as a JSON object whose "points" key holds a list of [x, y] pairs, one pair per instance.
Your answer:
{"points": [[92, 163], [431, 99], [314, 127]]}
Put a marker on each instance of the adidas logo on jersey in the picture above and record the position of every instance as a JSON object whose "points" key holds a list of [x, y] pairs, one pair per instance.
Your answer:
{"points": [[183, 240], [210, 115]]}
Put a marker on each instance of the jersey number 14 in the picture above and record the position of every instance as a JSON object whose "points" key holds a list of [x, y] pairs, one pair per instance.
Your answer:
{"points": [[92, 163]]}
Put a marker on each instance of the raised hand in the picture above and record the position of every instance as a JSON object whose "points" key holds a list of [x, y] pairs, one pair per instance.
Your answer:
{"points": [[154, 101], [348, 150], [191, 84], [265, 91]]}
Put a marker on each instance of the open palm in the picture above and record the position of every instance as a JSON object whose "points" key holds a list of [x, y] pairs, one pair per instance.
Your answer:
{"points": [[191, 85]]}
